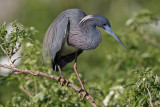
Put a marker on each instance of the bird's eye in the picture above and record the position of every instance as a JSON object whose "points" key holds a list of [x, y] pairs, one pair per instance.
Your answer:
{"points": [[104, 24]]}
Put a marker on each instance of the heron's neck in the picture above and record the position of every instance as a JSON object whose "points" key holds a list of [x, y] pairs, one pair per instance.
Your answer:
{"points": [[92, 34], [89, 27], [90, 21], [85, 36]]}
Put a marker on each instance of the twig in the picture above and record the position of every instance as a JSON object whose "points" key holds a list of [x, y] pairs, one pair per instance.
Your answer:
{"points": [[35, 85], [9, 59], [37, 73], [152, 41], [25, 91], [157, 103], [16, 50], [18, 58], [149, 93]]}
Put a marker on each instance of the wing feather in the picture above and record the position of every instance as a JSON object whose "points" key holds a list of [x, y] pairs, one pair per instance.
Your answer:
{"points": [[54, 36]]}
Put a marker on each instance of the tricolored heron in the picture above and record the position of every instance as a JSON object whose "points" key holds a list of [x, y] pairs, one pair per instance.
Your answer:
{"points": [[72, 32]]}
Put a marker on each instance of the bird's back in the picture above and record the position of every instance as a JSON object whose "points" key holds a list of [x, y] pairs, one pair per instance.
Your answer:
{"points": [[74, 15]]}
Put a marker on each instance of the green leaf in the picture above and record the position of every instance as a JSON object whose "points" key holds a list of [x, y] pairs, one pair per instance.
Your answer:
{"points": [[39, 97]]}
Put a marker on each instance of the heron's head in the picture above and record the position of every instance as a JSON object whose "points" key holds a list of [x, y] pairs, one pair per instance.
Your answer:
{"points": [[100, 21], [104, 23]]}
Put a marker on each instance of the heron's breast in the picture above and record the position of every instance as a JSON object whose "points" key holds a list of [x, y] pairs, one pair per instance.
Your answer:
{"points": [[67, 49]]}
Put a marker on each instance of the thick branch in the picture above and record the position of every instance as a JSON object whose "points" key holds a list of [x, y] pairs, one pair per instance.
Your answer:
{"points": [[37, 73]]}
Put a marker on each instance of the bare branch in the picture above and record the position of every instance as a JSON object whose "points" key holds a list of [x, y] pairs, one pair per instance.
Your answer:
{"points": [[37, 73], [149, 93], [15, 51], [18, 58], [152, 41], [9, 59], [157, 103], [35, 86], [25, 91]]}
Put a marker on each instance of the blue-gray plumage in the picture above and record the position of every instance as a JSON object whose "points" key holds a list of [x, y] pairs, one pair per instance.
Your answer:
{"points": [[72, 32]]}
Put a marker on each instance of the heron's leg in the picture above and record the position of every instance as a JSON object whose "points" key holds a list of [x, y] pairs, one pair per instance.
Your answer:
{"points": [[75, 69], [61, 78], [60, 71], [82, 86]]}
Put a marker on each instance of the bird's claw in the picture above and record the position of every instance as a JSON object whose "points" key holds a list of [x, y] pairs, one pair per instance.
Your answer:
{"points": [[14, 72], [63, 81], [84, 93]]}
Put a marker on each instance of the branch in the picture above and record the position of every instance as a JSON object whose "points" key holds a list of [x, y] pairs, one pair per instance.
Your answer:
{"points": [[18, 58], [150, 97], [152, 41], [9, 59], [16, 50], [157, 103], [25, 91], [35, 86], [37, 73]]}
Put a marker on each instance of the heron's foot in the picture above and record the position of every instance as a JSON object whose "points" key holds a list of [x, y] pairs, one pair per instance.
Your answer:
{"points": [[84, 93], [14, 72], [63, 81]]}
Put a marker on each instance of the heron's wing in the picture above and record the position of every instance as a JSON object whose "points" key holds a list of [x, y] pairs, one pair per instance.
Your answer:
{"points": [[55, 35]]}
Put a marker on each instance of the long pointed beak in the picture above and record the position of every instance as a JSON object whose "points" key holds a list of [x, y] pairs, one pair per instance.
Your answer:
{"points": [[110, 31]]}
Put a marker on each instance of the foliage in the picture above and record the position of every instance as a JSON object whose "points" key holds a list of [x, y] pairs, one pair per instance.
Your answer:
{"points": [[136, 93], [141, 19], [12, 41], [44, 92], [124, 77], [141, 63]]}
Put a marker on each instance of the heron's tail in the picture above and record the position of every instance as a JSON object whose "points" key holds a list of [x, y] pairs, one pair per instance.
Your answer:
{"points": [[62, 62], [54, 65]]}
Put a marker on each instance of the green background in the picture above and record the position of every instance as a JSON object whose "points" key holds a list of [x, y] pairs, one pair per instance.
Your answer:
{"points": [[109, 64]]}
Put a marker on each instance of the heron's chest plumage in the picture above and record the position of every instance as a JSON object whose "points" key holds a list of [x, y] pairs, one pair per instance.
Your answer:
{"points": [[67, 49]]}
